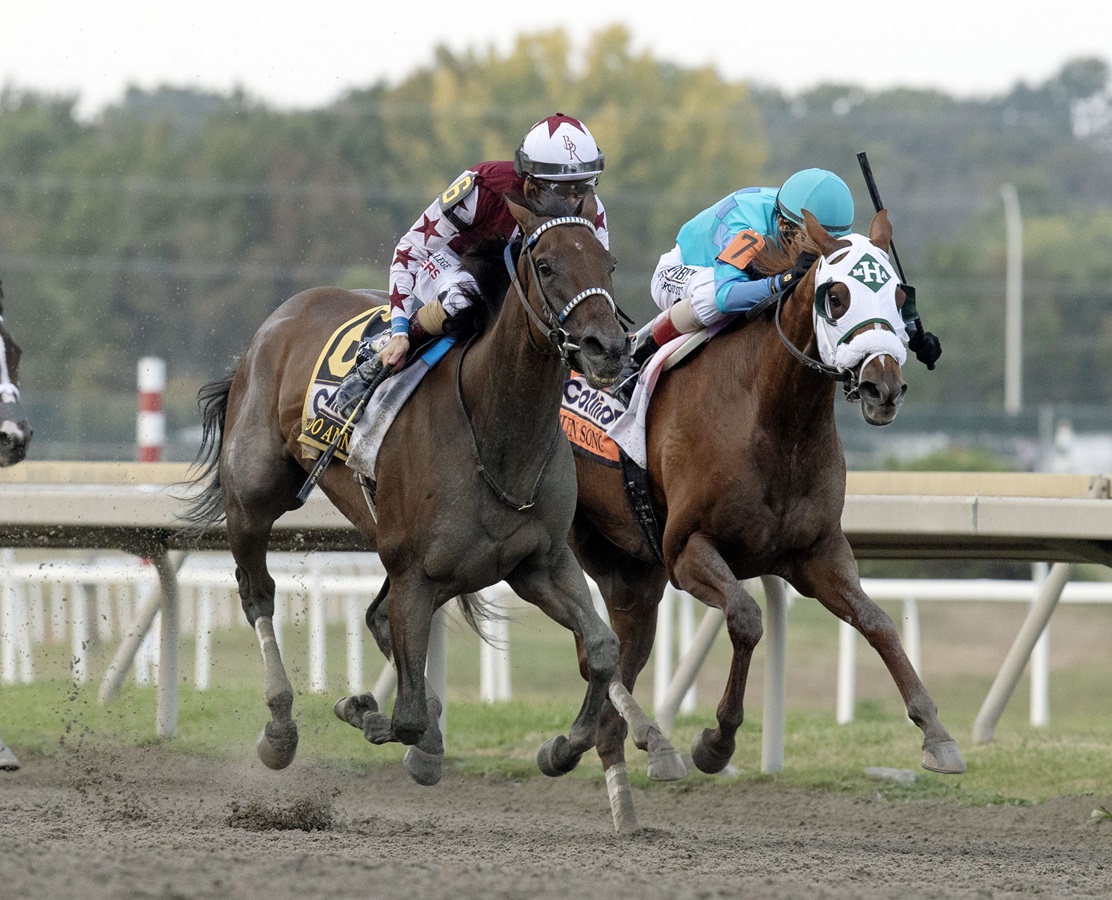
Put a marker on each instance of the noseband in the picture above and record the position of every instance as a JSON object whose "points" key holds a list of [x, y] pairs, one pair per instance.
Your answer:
{"points": [[553, 321]]}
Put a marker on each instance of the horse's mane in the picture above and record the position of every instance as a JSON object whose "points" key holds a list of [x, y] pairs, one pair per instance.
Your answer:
{"points": [[485, 261], [773, 259]]}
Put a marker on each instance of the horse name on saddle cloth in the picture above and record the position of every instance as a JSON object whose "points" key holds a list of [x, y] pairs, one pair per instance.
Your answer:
{"points": [[585, 415], [319, 426]]}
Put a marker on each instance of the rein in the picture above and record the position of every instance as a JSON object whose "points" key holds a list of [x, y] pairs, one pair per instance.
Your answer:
{"points": [[552, 326], [509, 499], [847, 377]]}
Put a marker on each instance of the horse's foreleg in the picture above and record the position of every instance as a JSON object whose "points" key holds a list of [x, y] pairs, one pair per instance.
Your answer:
{"points": [[833, 580], [561, 592], [700, 570], [424, 760]]}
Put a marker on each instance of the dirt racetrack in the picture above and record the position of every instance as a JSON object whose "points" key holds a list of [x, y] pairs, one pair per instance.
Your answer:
{"points": [[150, 823]]}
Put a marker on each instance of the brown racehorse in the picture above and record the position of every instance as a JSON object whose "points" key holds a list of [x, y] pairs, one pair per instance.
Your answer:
{"points": [[15, 434], [480, 430], [747, 478]]}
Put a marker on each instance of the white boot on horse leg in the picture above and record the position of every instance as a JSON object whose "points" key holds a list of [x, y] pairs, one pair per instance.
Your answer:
{"points": [[277, 744], [665, 762]]}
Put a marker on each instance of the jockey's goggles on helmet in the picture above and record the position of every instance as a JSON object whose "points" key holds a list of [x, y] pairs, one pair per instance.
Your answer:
{"points": [[569, 189]]}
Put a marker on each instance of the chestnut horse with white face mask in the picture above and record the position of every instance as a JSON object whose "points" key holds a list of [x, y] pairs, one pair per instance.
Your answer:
{"points": [[747, 478]]}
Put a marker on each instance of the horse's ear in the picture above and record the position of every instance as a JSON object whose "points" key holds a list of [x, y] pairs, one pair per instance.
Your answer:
{"points": [[826, 242], [880, 230], [588, 208], [524, 217]]}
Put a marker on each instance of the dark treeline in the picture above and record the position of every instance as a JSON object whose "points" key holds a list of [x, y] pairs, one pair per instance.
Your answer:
{"points": [[173, 223]]}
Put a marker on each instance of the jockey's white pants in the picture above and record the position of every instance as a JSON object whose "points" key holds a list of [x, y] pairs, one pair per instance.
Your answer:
{"points": [[674, 281]]}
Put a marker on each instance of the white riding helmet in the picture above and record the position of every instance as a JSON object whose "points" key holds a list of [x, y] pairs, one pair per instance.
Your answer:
{"points": [[559, 148]]}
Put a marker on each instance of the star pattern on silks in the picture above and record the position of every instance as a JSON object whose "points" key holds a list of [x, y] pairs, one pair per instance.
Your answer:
{"points": [[403, 256], [600, 221], [396, 298], [427, 228], [559, 119]]}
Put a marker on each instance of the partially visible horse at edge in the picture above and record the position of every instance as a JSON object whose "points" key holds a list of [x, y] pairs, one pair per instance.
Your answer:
{"points": [[747, 478], [475, 482], [15, 432], [15, 435]]}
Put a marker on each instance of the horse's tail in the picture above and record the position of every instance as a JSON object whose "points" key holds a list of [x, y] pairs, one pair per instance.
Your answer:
{"points": [[206, 508]]}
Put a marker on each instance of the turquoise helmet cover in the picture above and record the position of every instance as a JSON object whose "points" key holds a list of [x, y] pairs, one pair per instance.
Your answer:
{"points": [[824, 194]]}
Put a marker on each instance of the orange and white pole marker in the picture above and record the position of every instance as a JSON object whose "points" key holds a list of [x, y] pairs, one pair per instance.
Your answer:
{"points": [[150, 427]]}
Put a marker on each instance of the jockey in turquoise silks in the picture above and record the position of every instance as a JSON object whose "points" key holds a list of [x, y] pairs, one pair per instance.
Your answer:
{"points": [[707, 276]]}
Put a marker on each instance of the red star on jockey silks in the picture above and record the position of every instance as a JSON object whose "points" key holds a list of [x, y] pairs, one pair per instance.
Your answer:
{"points": [[559, 119], [427, 228], [402, 256], [396, 298], [600, 221]]}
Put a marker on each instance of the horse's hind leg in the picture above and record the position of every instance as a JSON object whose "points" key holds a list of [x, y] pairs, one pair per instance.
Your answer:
{"points": [[561, 591], [832, 579], [251, 507]]}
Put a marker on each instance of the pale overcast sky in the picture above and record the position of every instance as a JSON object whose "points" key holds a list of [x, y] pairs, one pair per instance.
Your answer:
{"points": [[303, 55]]}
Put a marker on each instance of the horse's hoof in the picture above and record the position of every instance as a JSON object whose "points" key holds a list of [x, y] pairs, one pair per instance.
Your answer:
{"points": [[666, 765], [353, 709], [705, 759], [277, 744], [943, 757], [555, 757], [424, 768]]}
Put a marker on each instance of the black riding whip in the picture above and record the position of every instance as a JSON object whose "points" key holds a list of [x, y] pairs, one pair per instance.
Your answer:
{"points": [[874, 193]]}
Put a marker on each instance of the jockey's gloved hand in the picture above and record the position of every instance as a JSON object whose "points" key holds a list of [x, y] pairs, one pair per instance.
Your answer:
{"points": [[802, 266], [924, 345]]}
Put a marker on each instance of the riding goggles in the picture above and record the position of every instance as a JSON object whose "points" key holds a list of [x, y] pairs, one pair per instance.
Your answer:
{"points": [[569, 189]]}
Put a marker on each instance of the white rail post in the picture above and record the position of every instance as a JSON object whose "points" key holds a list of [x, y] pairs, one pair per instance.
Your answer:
{"points": [[166, 718], [7, 619], [79, 632], [662, 647], [1039, 710], [847, 673], [318, 629], [1006, 679], [354, 626], [776, 634], [686, 612], [202, 634]]}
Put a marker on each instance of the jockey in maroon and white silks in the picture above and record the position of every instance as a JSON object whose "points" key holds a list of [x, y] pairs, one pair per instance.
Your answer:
{"points": [[557, 155], [426, 265]]}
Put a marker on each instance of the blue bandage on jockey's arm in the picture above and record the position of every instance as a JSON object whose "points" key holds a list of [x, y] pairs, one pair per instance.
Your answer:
{"points": [[741, 295]]}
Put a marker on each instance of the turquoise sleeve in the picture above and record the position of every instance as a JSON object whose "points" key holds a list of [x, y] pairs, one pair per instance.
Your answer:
{"points": [[741, 295]]}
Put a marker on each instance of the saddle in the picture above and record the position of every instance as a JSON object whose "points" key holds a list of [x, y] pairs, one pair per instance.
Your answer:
{"points": [[320, 426]]}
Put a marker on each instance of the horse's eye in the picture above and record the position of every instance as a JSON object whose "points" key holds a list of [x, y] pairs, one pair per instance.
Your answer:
{"points": [[544, 268], [837, 301]]}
